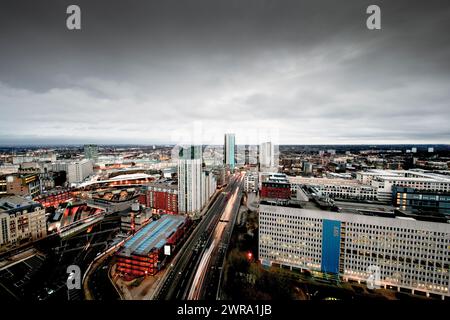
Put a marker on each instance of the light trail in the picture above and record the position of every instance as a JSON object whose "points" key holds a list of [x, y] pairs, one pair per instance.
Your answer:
{"points": [[197, 284]]}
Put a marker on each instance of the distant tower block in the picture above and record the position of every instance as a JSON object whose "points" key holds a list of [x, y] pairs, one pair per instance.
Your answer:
{"points": [[229, 150]]}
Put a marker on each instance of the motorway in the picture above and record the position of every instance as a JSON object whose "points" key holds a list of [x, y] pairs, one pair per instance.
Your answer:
{"points": [[208, 272], [189, 266]]}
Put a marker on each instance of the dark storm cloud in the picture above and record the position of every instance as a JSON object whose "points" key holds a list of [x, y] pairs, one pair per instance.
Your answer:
{"points": [[155, 71]]}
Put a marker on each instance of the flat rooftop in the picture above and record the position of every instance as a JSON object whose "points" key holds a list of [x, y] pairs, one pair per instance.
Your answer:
{"points": [[164, 184], [411, 175], [274, 177], [152, 236], [13, 203], [372, 210], [325, 181]]}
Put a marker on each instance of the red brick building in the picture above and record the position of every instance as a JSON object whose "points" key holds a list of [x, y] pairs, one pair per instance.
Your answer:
{"points": [[275, 186], [54, 199], [162, 197], [276, 190]]}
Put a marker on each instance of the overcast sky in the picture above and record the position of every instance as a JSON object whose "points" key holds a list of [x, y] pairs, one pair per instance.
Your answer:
{"points": [[296, 72]]}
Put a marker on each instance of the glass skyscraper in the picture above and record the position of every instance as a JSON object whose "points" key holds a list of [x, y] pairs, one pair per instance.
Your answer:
{"points": [[229, 150]]}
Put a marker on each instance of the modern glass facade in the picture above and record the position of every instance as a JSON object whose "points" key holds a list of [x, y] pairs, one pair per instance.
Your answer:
{"points": [[421, 201], [229, 150]]}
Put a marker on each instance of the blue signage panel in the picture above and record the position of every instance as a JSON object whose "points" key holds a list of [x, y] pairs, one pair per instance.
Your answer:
{"points": [[331, 240]]}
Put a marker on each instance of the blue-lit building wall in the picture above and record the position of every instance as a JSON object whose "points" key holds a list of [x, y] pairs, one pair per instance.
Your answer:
{"points": [[230, 150], [331, 240]]}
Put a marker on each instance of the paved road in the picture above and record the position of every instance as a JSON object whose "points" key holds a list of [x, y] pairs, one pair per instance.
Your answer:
{"points": [[207, 274], [183, 269]]}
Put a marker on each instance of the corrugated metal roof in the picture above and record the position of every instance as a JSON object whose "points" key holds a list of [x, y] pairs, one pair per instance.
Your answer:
{"points": [[153, 235]]}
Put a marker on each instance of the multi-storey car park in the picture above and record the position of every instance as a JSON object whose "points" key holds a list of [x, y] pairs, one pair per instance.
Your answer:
{"points": [[408, 253], [143, 254]]}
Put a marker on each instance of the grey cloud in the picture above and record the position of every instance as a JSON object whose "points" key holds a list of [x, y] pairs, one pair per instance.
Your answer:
{"points": [[144, 71]]}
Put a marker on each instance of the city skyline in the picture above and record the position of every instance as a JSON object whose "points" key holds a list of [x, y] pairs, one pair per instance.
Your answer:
{"points": [[311, 71], [256, 156]]}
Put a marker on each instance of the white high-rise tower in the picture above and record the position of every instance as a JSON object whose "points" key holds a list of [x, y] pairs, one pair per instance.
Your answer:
{"points": [[189, 180], [266, 155]]}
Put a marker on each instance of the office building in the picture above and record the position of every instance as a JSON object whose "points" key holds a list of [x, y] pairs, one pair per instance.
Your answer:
{"points": [[229, 151], [169, 173], [266, 156], [20, 159], [209, 186], [251, 155], [274, 187], [21, 221], [384, 180], [23, 184], [251, 182], [77, 171], [91, 152], [3, 186], [421, 201], [336, 188], [307, 168], [408, 253], [8, 168], [135, 218]]}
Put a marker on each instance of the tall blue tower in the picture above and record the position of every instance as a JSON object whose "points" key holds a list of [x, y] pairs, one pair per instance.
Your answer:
{"points": [[229, 150]]}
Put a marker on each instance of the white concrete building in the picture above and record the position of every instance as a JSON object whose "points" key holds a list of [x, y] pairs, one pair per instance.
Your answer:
{"points": [[266, 155], [406, 253], [384, 180], [8, 168], [337, 188], [189, 186], [209, 186], [77, 171], [251, 182], [57, 166]]}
